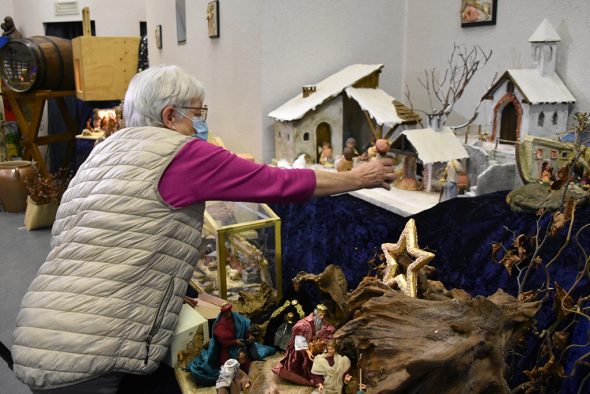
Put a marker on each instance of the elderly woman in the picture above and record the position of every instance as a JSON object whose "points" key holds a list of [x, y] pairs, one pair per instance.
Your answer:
{"points": [[126, 237]]}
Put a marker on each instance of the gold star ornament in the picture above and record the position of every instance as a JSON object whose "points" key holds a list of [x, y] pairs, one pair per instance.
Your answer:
{"points": [[407, 244]]}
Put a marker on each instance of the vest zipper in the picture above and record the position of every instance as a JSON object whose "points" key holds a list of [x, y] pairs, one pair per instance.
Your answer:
{"points": [[158, 319]]}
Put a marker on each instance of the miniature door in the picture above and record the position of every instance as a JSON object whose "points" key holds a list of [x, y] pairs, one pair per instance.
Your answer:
{"points": [[241, 249]]}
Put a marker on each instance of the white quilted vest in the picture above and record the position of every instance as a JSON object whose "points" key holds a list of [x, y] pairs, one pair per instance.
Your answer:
{"points": [[108, 297]]}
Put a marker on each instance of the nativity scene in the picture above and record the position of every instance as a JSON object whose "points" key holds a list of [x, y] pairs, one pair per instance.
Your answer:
{"points": [[371, 243]]}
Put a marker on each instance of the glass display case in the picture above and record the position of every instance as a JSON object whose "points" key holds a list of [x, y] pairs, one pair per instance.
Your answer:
{"points": [[241, 249]]}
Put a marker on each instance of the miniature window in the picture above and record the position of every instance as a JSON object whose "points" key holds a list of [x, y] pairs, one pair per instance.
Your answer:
{"points": [[554, 119], [305, 136], [564, 155], [553, 154], [510, 87], [539, 154], [541, 120]]}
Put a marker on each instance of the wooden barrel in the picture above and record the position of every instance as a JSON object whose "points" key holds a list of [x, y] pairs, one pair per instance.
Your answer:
{"points": [[13, 195], [37, 63]]}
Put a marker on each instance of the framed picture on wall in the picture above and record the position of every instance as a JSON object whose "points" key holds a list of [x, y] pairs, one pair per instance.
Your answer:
{"points": [[213, 18], [478, 12], [158, 34]]}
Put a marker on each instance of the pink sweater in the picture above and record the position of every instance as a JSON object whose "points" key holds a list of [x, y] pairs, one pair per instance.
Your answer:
{"points": [[202, 172]]}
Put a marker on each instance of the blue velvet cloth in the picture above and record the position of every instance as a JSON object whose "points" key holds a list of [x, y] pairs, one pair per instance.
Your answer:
{"points": [[347, 231]]}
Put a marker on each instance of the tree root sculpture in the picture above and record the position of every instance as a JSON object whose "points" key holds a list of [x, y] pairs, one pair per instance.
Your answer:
{"points": [[414, 345], [333, 282]]}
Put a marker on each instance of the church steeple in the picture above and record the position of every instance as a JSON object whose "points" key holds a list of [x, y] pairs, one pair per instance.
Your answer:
{"points": [[544, 47]]}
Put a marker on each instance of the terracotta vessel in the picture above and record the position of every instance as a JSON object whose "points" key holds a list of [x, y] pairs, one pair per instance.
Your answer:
{"points": [[13, 196]]}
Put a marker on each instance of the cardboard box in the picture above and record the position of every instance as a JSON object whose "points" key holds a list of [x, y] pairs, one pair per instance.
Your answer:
{"points": [[188, 322], [103, 66]]}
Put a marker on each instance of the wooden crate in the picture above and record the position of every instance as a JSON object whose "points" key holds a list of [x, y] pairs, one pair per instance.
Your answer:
{"points": [[103, 66]]}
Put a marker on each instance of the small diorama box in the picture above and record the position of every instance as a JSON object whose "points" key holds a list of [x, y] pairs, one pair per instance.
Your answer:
{"points": [[103, 66], [189, 322], [241, 250]]}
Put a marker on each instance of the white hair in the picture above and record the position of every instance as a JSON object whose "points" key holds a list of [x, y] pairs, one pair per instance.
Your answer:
{"points": [[153, 89]]}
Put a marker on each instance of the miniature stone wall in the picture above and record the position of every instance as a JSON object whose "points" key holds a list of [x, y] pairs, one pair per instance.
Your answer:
{"points": [[478, 161], [498, 177]]}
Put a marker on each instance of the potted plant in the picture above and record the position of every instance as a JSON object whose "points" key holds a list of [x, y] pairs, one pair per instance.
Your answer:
{"points": [[44, 195]]}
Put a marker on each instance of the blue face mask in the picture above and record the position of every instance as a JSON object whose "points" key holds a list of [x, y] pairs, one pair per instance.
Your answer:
{"points": [[199, 125], [201, 129]]}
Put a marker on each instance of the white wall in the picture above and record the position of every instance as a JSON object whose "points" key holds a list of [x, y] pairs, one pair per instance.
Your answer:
{"points": [[433, 26], [268, 48], [108, 16], [229, 67]]}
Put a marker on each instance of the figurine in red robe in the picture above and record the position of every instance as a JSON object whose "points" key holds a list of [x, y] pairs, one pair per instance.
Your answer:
{"points": [[296, 365]]}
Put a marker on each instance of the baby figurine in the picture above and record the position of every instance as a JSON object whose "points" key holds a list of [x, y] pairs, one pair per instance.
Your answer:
{"points": [[231, 380]]}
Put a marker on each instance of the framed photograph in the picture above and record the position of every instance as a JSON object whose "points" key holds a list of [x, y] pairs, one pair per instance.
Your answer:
{"points": [[158, 34], [478, 12], [213, 19]]}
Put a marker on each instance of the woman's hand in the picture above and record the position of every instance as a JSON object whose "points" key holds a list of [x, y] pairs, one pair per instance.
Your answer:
{"points": [[320, 387], [376, 173], [309, 354], [347, 378], [191, 301]]}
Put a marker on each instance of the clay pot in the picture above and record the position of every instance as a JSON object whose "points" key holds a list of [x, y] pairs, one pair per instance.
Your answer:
{"points": [[13, 195]]}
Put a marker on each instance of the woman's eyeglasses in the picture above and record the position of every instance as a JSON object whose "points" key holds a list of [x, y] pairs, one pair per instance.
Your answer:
{"points": [[199, 111]]}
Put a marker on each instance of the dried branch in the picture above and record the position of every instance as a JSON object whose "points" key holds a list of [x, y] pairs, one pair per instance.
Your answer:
{"points": [[548, 370], [462, 65]]}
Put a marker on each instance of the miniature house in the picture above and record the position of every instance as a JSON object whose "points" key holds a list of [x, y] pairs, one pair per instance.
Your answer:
{"points": [[346, 104], [428, 148], [531, 101], [534, 151]]}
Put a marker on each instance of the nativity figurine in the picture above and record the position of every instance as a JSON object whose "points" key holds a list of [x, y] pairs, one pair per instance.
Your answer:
{"points": [[296, 365], [230, 335], [345, 163], [451, 178], [351, 143], [232, 380], [326, 158], [329, 371]]}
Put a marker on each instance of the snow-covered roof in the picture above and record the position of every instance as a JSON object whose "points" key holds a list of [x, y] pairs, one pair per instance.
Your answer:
{"points": [[545, 33], [537, 88], [377, 103], [298, 106], [435, 146]]}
